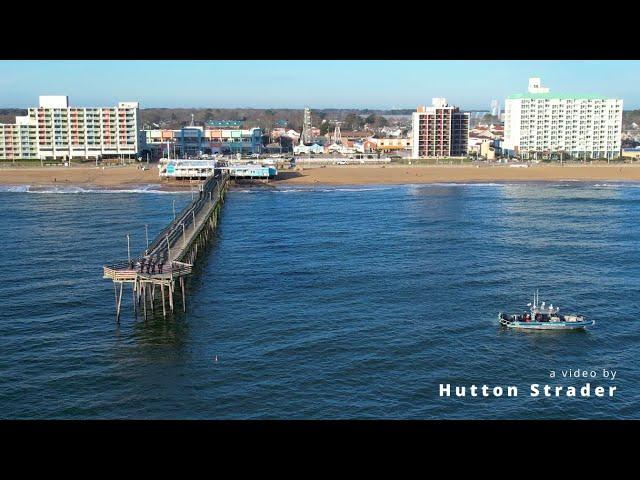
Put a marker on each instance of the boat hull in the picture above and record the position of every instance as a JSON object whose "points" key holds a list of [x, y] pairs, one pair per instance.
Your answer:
{"points": [[579, 325]]}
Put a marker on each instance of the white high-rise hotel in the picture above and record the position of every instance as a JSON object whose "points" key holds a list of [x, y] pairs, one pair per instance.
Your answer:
{"points": [[56, 130], [539, 123]]}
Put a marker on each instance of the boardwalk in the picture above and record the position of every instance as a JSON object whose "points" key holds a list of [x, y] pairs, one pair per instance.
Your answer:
{"points": [[169, 258]]}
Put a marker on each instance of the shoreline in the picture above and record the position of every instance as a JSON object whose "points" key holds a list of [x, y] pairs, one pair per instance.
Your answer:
{"points": [[131, 177]]}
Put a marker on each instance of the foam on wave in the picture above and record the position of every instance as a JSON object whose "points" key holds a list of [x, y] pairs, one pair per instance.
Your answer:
{"points": [[81, 190]]}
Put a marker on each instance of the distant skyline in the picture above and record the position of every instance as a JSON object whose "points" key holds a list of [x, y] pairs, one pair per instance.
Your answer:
{"points": [[372, 84]]}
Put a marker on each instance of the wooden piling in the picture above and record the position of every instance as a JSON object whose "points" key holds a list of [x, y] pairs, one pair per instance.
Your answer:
{"points": [[133, 294], [144, 299], [184, 303], [119, 303], [164, 310]]}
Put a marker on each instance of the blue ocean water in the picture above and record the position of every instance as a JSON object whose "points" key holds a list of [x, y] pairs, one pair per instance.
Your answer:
{"points": [[323, 302]]}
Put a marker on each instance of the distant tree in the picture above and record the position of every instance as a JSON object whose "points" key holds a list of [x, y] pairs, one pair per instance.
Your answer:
{"points": [[488, 118], [353, 121], [381, 121]]}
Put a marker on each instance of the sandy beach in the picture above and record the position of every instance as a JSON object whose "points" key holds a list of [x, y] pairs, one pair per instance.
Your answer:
{"points": [[403, 174], [124, 176], [117, 176]]}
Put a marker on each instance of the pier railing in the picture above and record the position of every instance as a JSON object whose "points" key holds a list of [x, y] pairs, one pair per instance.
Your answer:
{"points": [[169, 238], [125, 271]]}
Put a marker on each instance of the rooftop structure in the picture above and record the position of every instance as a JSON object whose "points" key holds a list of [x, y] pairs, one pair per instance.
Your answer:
{"points": [[225, 123]]}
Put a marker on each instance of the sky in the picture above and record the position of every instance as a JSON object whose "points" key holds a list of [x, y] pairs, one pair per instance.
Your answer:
{"points": [[469, 84]]}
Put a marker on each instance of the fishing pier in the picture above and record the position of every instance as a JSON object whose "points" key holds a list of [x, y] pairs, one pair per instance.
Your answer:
{"points": [[170, 257]]}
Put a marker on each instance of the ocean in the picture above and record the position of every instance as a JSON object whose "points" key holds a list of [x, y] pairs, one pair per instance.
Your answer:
{"points": [[324, 302]]}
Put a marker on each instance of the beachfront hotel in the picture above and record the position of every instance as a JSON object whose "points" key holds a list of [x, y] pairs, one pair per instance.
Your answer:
{"points": [[539, 123], [196, 140], [54, 130], [440, 130]]}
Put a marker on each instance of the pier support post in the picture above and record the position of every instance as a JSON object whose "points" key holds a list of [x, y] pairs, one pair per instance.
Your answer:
{"points": [[115, 295], [150, 287], [164, 310], [184, 303], [144, 299], [119, 303], [133, 294], [171, 295]]}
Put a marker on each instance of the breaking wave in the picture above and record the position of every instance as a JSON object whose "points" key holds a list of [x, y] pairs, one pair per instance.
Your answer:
{"points": [[80, 190]]}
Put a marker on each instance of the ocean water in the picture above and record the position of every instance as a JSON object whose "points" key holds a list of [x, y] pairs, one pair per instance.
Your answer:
{"points": [[323, 302]]}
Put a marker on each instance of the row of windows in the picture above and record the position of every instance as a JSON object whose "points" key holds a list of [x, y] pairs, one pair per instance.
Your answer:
{"points": [[578, 101]]}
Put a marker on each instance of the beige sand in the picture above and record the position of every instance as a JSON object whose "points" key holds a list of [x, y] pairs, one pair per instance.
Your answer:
{"points": [[119, 176], [116, 176], [399, 174]]}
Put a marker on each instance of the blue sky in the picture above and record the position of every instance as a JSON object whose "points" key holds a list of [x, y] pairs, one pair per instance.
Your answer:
{"points": [[318, 84]]}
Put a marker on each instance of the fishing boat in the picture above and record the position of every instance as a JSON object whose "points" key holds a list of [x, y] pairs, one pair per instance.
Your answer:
{"points": [[543, 317]]}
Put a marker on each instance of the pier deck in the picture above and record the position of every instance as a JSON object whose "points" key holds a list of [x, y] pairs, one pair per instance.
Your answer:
{"points": [[169, 258]]}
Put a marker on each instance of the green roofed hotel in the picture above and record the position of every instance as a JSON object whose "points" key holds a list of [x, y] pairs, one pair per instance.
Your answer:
{"points": [[541, 124]]}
